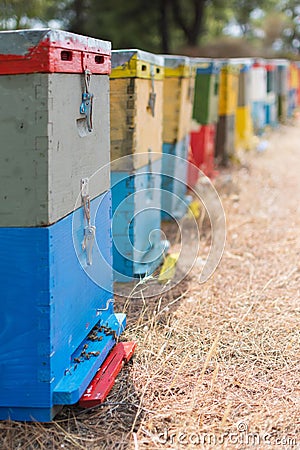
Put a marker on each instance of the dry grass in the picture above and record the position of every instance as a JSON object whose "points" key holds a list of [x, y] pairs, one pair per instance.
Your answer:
{"points": [[212, 358]]}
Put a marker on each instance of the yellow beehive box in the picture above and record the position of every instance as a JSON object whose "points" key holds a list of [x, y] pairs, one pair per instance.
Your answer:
{"points": [[179, 84], [294, 76], [244, 136], [229, 88], [136, 107]]}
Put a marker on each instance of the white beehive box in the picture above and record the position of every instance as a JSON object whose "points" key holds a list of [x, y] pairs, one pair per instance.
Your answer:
{"points": [[258, 83]]}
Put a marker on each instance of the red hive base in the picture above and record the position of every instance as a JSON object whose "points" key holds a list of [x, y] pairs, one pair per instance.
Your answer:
{"points": [[104, 379], [192, 172], [203, 149]]}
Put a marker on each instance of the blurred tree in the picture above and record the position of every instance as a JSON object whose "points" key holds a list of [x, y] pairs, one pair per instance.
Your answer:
{"points": [[163, 25], [291, 33], [17, 13], [126, 24], [188, 16], [273, 26], [155, 25], [217, 16], [243, 11]]}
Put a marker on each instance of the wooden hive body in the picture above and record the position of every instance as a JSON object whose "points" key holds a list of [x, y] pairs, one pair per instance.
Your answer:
{"points": [[55, 287], [179, 84], [137, 245], [135, 128], [206, 97]]}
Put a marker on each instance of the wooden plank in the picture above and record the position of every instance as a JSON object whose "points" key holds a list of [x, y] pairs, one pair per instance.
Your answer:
{"points": [[177, 108], [134, 130], [52, 302], [46, 149]]}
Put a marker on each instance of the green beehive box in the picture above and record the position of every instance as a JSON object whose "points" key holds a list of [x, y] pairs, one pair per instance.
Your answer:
{"points": [[206, 96]]}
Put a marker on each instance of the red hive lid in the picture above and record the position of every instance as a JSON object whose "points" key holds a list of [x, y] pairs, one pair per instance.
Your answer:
{"points": [[49, 51], [259, 62], [270, 66]]}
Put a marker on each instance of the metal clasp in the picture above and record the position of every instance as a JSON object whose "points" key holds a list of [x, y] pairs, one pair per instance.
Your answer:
{"points": [[88, 242], [86, 106], [89, 230]]}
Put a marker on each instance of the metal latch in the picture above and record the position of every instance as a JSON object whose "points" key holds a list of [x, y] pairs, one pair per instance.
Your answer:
{"points": [[152, 95], [89, 230], [86, 106]]}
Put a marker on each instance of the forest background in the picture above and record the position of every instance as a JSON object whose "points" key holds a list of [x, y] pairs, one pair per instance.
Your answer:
{"points": [[212, 28]]}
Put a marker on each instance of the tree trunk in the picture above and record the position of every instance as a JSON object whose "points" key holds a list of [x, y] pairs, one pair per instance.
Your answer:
{"points": [[194, 29], [164, 26], [78, 23]]}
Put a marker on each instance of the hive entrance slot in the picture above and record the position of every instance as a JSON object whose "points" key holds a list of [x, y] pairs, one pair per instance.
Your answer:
{"points": [[66, 55], [99, 59]]}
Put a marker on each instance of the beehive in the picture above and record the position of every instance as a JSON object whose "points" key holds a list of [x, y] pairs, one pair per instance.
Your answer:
{"points": [[206, 99], [175, 200], [56, 279], [229, 88], [46, 146], [225, 138], [293, 83], [205, 116], [138, 247], [178, 95], [244, 126], [258, 94], [177, 113], [203, 150], [228, 100], [271, 99], [136, 151], [298, 88], [136, 101], [282, 66]]}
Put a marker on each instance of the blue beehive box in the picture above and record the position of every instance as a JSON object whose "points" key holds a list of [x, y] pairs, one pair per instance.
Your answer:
{"points": [[179, 84], [138, 247], [175, 200], [136, 87], [57, 321]]}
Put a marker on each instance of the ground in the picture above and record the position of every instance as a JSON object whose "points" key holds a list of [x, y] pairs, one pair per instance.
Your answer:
{"points": [[217, 364]]}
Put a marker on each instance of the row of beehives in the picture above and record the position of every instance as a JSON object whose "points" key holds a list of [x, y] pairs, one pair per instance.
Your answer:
{"points": [[57, 232], [177, 115]]}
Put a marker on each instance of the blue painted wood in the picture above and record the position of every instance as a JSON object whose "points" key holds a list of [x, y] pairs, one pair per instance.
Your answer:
{"points": [[79, 374], [174, 179], [271, 111], [292, 102], [51, 299], [138, 248], [258, 116]]}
